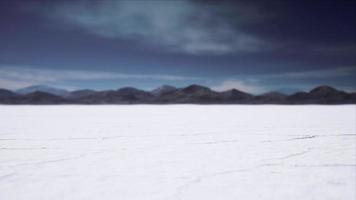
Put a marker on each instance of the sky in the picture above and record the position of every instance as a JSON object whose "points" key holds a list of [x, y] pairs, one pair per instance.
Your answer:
{"points": [[254, 46]]}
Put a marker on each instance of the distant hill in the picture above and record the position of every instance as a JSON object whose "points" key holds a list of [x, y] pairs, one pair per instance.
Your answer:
{"points": [[271, 98], [289, 90], [37, 98], [6, 93], [80, 94], [43, 88], [164, 89], [190, 94], [237, 96], [6, 96], [194, 94], [322, 95], [126, 95]]}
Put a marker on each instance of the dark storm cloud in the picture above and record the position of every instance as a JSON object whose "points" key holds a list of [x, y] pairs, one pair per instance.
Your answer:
{"points": [[178, 26], [324, 28]]}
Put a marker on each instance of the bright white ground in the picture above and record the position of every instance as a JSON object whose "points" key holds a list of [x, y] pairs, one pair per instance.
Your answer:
{"points": [[177, 152]]}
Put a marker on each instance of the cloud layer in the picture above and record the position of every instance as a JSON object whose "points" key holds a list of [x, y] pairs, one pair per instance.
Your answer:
{"points": [[179, 26], [319, 74]]}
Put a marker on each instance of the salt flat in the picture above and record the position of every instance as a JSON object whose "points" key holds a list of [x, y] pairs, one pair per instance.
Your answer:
{"points": [[178, 152]]}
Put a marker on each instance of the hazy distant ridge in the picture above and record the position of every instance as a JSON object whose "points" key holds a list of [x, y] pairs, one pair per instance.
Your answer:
{"points": [[165, 94]]}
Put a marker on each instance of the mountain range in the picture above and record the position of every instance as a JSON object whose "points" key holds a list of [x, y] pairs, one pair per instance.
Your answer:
{"points": [[193, 94]]}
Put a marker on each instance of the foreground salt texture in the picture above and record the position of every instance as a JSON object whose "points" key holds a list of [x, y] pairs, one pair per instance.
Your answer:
{"points": [[177, 152]]}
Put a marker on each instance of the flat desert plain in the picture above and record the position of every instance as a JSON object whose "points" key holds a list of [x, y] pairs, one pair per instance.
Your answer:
{"points": [[178, 152]]}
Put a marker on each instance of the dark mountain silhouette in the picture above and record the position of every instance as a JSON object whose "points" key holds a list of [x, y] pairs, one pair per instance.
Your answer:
{"points": [[127, 95], [80, 93], [271, 98], [6, 93], [322, 95], [236, 96], [195, 94], [133, 95], [6, 96], [43, 88], [164, 89], [38, 98], [190, 94]]}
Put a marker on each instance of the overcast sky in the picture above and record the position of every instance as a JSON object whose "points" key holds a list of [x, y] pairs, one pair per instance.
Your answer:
{"points": [[254, 46]]}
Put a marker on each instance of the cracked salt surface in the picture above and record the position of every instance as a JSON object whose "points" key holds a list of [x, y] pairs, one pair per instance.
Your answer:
{"points": [[177, 152]]}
